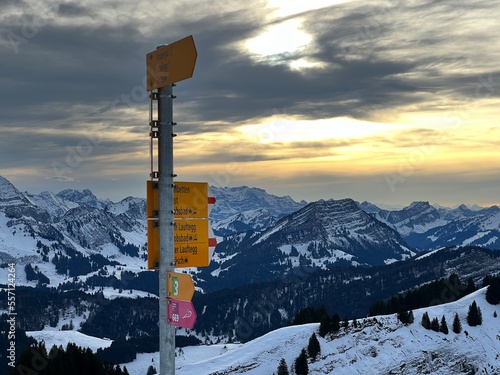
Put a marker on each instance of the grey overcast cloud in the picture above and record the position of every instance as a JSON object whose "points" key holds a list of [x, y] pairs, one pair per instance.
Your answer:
{"points": [[385, 101]]}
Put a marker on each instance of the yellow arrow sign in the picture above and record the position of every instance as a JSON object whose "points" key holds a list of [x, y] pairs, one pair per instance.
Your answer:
{"points": [[171, 63], [190, 200], [191, 243], [180, 286]]}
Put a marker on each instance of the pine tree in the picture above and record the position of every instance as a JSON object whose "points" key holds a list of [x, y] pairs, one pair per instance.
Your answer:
{"points": [[457, 326], [282, 367], [426, 321], [325, 326], [301, 367], [474, 316], [403, 316], [313, 349], [435, 325], [443, 327], [493, 291], [152, 370]]}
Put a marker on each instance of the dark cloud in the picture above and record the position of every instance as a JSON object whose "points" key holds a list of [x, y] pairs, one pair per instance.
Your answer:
{"points": [[69, 66]]}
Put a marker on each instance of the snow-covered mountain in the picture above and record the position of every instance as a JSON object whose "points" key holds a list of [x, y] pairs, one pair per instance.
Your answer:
{"points": [[321, 235], [426, 227], [236, 200], [69, 234], [74, 234], [250, 220]]}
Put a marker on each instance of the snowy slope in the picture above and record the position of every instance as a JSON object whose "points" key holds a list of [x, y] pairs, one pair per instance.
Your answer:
{"points": [[62, 338], [380, 345], [386, 347]]}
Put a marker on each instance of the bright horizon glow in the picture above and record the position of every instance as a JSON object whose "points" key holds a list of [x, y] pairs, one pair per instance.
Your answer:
{"points": [[288, 130]]}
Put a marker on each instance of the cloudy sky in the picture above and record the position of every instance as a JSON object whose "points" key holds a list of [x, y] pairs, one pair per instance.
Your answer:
{"points": [[385, 101]]}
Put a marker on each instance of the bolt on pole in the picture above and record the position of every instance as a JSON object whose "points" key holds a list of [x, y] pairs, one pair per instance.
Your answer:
{"points": [[166, 224]]}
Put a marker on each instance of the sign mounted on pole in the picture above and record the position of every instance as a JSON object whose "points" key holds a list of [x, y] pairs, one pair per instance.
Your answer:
{"points": [[171, 63], [190, 200], [191, 243], [181, 313], [180, 286], [194, 243]]}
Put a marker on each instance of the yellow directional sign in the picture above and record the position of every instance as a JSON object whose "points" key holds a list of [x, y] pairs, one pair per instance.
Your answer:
{"points": [[180, 286], [171, 63], [191, 243], [190, 200]]}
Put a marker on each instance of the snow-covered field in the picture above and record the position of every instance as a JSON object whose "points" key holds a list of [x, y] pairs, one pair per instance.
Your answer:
{"points": [[372, 348]]}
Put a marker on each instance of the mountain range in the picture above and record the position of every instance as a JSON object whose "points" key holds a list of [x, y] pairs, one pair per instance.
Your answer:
{"points": [[274, 256], [260, 236]]}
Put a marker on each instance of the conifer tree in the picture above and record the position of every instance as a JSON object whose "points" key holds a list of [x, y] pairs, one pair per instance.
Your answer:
{"points": [[457, 326], [325, 326], [493, 291], [313, 349], [435, 325], [443, 327], [282, 367], [426, 321], [301, 367], [411, 318], [474, 316], [403, 316]]}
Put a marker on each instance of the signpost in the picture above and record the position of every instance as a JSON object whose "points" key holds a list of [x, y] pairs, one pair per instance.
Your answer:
{"points": [[179, 234], [171, 63]]}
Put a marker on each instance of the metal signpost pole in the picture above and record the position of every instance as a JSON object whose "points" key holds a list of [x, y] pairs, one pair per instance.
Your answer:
{"points": [[166, 224]]}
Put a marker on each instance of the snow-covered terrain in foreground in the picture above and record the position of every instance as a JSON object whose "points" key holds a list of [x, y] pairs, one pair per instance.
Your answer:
{"points": [[373, 348]]}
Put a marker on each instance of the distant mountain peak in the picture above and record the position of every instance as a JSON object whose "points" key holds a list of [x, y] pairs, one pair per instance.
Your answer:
{"points": [[419, 204], [463, 208], [9, 195], [84, 197], [234, 200]]}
